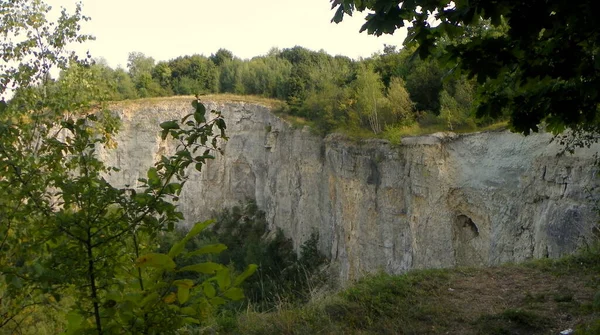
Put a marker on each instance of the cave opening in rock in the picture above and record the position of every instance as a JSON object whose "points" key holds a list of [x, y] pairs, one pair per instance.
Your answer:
{"points": [[468, 228], [466, 242]]}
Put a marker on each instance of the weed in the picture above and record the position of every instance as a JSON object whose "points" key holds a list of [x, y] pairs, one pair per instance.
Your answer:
{"points": [[592, 328], [510, 321], [563, 297], [535, 298]]}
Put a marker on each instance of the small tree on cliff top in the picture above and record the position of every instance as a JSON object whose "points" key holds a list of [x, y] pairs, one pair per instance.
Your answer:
{"points": [[66, 231]]}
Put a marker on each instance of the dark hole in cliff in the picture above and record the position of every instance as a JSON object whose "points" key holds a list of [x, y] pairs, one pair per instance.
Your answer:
{"points": [[468, 228], [374, 177], [467, 249]]}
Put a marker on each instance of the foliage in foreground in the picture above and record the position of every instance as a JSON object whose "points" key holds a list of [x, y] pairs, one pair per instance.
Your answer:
{"points": [[543, 68], [67, 227], [72, 245]]}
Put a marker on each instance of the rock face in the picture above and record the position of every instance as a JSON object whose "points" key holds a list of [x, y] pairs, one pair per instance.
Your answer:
{"points": [[435, 201]]}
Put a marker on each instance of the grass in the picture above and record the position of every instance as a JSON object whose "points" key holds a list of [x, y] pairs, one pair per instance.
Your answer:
{"points": [[395, 134], [539, 297], [427, 125], [226, 97]]}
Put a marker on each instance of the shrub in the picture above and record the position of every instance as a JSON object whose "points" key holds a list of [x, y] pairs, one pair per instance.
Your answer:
{"points": [[283, 275]]}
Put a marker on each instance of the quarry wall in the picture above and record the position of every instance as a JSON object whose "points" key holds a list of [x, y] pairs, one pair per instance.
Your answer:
{"points": [[440, 200]]}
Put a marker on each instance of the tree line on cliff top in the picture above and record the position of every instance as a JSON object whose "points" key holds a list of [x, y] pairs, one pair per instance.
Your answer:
{"points": [[389, 89]]}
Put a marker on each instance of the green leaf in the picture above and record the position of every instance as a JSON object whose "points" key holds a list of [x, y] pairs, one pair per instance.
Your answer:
{"points": [[234, 293], [173, 188], [189, 310], [223, 279], [209, 290], [207, 268], [221, 124], [247, 273], [191, 320], [184, 283], [133, 297], [170, 298], [200, 113], [153, 178], [150, 298], [204, 306], [142, 199], [177, 248], [174, 308], [216, 301], [208, 249], [198, 228], [183, 294], [155, 260], [74, 321], [168, 125]]}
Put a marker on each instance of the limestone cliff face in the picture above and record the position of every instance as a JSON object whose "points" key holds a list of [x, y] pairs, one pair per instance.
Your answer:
{"points": [[434, 201]]}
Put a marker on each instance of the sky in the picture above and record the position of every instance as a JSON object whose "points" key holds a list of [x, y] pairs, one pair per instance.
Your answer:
{"points": [[170, 28]]}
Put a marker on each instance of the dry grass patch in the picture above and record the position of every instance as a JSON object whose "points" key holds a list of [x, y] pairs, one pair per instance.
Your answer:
{"points": [[272, 103]]}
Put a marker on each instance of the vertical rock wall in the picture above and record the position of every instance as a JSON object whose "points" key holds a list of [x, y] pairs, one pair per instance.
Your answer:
{"points": [[434, 201]]}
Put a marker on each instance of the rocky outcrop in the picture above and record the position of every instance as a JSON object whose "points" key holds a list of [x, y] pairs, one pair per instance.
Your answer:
{"points": [[434, 201]]}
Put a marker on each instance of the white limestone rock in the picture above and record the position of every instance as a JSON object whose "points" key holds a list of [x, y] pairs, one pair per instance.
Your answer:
{"points": [[440, 200]]}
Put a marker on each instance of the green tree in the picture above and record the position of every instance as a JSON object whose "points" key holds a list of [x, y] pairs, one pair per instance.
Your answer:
{"points": [[65, 230], [424, 83], [140, 69], [392, 63], [328, 107], [401, 107], [267, 76], [124, 85], [329, 94], [282, 275], [221, 56], [457, 100], [230, 76], [369, 98], [139, 65], [194, 75], [310, 72], [91, 81], [301, 60], [162, 74], [543, 69]]}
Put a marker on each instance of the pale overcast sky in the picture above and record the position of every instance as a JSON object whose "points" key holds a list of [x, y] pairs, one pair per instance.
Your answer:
{"points": [[168, 29]]}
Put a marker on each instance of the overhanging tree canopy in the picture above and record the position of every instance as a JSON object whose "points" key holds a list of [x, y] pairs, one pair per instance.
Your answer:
{"points": [[544, 68]]}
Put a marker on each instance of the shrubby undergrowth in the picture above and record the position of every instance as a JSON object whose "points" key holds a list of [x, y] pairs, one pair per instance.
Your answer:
{"points": [[283, 276]]}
